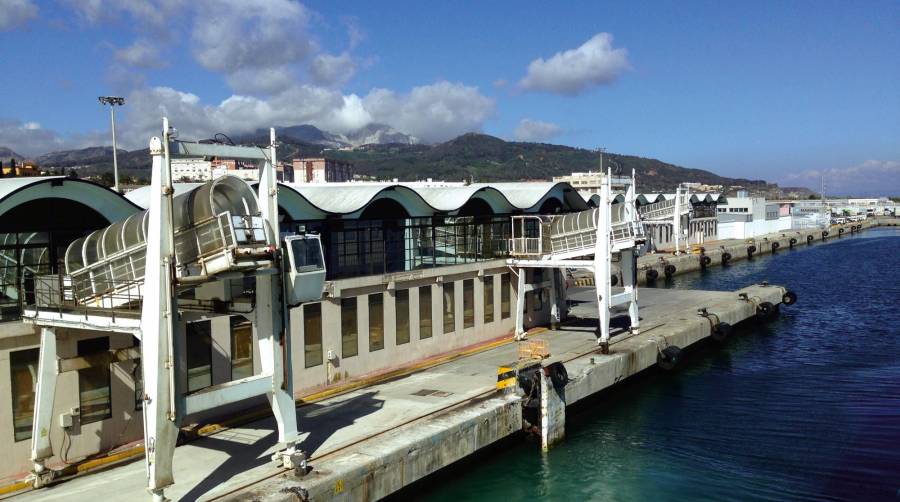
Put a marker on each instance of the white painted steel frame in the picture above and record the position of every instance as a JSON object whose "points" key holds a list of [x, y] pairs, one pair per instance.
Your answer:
{"points": [[609, 239], [164, 402]]}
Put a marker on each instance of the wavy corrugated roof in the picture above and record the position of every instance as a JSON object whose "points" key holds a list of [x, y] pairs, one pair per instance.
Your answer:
{"points": [[111, 205], [350, 200]]}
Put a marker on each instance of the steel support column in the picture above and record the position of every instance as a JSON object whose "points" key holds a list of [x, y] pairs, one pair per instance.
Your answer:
{"points": [[43, 407], [159, 324]]}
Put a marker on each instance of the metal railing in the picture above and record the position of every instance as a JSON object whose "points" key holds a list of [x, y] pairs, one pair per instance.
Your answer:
{"points": [[201, 251], [664, 209], [569, 234], [57, 293]]}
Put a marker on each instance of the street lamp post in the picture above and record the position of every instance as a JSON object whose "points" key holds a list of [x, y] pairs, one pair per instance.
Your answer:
{"points": [[113, 101]]}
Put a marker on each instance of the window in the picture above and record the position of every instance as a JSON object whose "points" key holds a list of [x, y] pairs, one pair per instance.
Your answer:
{"points": [[424, 312], [241, 347], [488, 299], [94, 381], [504, 296], [312, 334], [349, 330], [306, 255], [199, 355], [401, 297], [468, 303], [23, 368], [376, 322], [449, 308]]}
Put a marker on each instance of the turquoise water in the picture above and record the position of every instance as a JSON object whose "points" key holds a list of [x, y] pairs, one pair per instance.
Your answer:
{"points": [[806, 407]]}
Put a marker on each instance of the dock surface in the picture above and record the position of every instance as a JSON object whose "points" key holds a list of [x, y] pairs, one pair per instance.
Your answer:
{"points": [[373, 441]]}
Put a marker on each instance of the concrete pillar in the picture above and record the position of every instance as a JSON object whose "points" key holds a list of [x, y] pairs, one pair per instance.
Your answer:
{"points": [[554, 303], [553, 413], [520, 305]]}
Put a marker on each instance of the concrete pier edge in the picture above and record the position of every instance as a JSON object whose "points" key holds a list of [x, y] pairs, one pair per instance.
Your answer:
{"points": [[377, 467]]}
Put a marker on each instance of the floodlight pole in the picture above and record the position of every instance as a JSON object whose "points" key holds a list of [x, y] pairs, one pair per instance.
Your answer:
{"points": [[113, 101]]}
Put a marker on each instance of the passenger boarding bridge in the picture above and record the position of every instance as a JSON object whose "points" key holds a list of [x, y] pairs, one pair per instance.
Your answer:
{"points": [[143, 275], [590, 240], [669, 212]]}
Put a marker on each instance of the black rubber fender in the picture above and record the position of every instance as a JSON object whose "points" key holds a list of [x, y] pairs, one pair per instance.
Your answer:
{"points": [[789, 298], [669, 357], [726, 257], [669, 270], [613, 280], [750, 250], [652, 274], [792, 242], [775, 245], [558, 374], [765, 310], [705, 261], [809, 239], [840, 231], [721, 332], [824, 234]]}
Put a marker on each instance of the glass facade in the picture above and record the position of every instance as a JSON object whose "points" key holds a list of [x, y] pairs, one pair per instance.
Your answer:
{"points": [[449, 308], [22, 256], [94, 381], [401, 307], [468, 303], [376, 322], [349, 328], [355, 248], [198, 341], [23, 369], [312, 334], [488, 299], [425, 312], [241, 347]]}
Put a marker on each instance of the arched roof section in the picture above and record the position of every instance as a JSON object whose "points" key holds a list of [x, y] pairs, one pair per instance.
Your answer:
{"points": [[594, 200], [109, 204], [350, 200], [452, 199], [531, 196]]}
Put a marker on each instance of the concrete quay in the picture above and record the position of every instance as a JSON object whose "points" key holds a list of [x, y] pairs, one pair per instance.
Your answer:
{"points": [[373, 441], [377, 466], [657, 263]]}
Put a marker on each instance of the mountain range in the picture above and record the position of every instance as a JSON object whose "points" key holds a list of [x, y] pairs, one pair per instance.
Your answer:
{"points": [[380, 152]]}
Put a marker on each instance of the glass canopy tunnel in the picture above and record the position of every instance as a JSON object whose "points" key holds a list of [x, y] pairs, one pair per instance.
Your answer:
{"points": [[218, 231]]}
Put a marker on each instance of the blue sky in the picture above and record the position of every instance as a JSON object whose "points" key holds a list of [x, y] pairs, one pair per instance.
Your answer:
{"points": [[784, 91]]}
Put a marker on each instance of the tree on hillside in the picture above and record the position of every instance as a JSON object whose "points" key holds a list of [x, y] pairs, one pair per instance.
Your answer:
{"points": [[73, 173]]}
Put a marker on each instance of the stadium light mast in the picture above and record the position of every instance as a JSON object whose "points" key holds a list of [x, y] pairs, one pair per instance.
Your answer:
{"points": [[113, 101]]}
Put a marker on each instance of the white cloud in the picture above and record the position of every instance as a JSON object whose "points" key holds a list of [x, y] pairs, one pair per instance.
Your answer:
{"points": [[30, 139], [141, 54], [872, 177], [327, 69], [574, 71], [536, 131], [435, 112], [14, 13], [278, 75], [243, 36]]}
